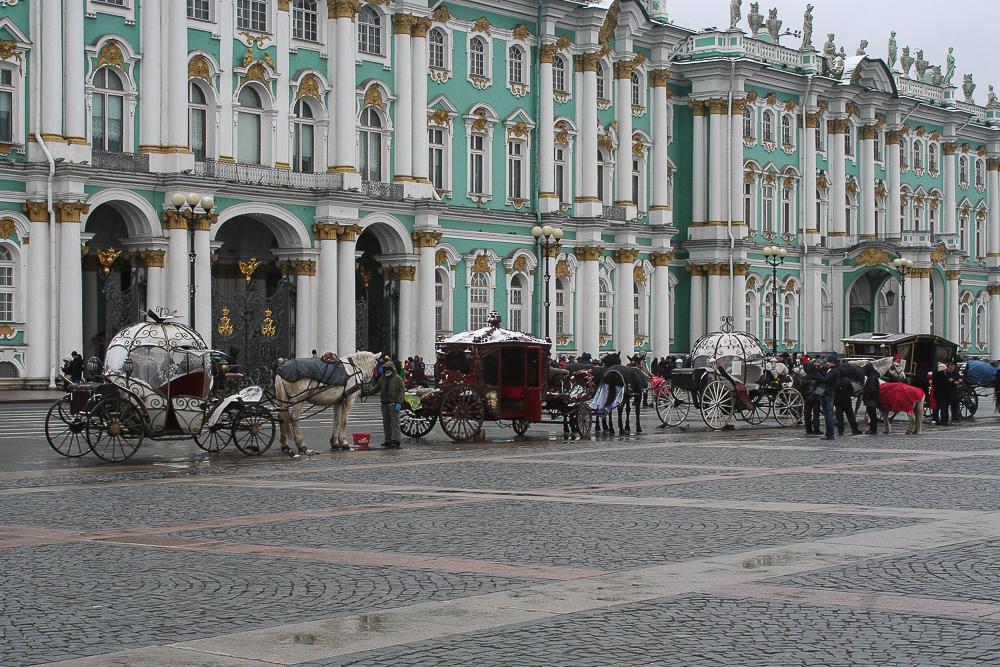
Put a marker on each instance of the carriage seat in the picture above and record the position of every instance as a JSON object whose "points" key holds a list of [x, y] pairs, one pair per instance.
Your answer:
{"points": [[512, 393], [189, 384]]}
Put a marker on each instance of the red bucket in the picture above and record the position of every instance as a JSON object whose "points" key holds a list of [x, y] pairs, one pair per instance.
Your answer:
{"points": [[361, 440]]}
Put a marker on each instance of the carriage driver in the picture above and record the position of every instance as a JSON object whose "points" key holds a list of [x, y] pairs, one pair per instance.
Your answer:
{"points": [[392, 393]]}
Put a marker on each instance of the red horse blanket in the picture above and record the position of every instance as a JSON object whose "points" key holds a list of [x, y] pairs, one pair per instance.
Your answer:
{"points": [[898, 397]]}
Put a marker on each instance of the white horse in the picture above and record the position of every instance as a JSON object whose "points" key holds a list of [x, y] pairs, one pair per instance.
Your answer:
{"points": [[291, 396]]}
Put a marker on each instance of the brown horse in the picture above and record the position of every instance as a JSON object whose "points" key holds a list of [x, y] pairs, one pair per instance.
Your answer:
{"points": [[291, 396]]}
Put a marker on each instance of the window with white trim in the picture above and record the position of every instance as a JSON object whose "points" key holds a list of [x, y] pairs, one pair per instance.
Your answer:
{"points": [[303, 138], [516, 169], [932, 219], [477, 58], [478, 182], [198, 121], [963, 325], [767, 219], [559, 74], [198, 9], [604, 308], [6, 105], [747, 123], [516, 303], [7, 268], [562, 289], [515, 65], [932, 161], [963, 169], [637, 183], [251, 15], [636, 90], [370, 143], [918, 160], [878, 146], [787, 221], [849, 140], [601, 83], [369, 31], [980, 181], [442, 300], [980, 250], [748, 204], [305, 20], [560, 175], [767, 123], [479, 300], [751, 314], [820, 141], [248, 126], [108, 111], [904, 153], [982, 337], [435, 54], [768, 316], [436, 148], [963, 232], [786, 130], [789, 319]]}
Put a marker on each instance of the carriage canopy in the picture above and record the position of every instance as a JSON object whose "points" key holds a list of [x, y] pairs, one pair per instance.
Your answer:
{"points": [[919, 354], [735, 351], [170, 358]]}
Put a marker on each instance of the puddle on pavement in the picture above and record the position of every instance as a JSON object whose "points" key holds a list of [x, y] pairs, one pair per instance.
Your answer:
{"points": [[766, 561]]}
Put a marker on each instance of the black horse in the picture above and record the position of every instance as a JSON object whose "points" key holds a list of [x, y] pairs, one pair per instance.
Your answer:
{"points": [[634, 382]]}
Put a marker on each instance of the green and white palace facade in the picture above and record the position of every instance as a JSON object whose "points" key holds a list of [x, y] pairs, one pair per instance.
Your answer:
{"points": [[377, 169]]}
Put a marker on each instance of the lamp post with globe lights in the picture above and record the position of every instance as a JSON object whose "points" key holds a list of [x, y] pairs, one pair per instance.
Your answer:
{"points": [[548, 239], [775, 257], [903, 266], [207, 203]]}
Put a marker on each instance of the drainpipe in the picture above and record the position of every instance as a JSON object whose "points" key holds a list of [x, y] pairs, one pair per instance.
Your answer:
{"points": [[538, 163], [729, 185], [53, 314], [802, 170]]}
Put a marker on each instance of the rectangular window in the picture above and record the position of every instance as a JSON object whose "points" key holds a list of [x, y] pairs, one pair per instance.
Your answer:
{"points": [[6, 115], [560, 174], [251, 15], [515, 319], [603, 321], [435, 140], [198, 9], [477, 162], [117, 3], [635, 182], [438, 318], [600, 182], [516, 297], [6, 276], [514, 164], [6, 306], [248, 138], [97, 112], [747, 203], [560, 298], [370, 152], [560, 322], [819, 140], [848, 143], [786, 212], [302, 150], [197, 131], [305, 22], [767, 224]]}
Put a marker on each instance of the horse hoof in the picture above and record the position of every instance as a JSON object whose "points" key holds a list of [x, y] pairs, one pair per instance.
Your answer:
{"points": [[345, 448]]}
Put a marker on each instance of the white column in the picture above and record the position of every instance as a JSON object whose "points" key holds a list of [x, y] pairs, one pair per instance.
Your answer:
{"points": [[892, 174], [178, 271], [838, 190], [37, 306], [623, 162], [624, 320], [345, 102], [154, 285], [918, 313], [425, 333], [948, 169], [994, 321], [717, 185], [151, 124], [407, 311], [326, 290], [659, 208], [283, 36], [810, 223], [697, 305], [735, 185], [587, 204], [699, 165], [402, 24], [866, 228], [717, 297], [175, 76], [662, 316], [739, 310], [70, 282], [347, 340], [51, 76], [418, 56], [547, 201], [74, 60], [305, 307], [588, 331], [952, 307], [993, 228], [203, 280]]}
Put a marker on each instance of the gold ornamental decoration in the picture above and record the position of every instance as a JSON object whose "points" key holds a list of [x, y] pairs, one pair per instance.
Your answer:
{"points": [[564, 42], [562, 269], [255, 72], [481, 265], [198, 69], [7, 331], [441, 14], [482, 25], [309, 85], [520, 264], [225, 324], [441, 257], [638, 274], [610, 24], [8, 228], [257, 40], [248, 267], [440, 117], [373, 97], [937, 257], [521, 32], [110, 54], [479, 125], [107, 258], [267, 328], [8, 48], [872, 256]]}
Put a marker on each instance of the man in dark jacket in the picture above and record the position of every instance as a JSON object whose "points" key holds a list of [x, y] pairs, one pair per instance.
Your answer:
{"points": [[942, 394], [843, 401], [76, 366], [870, 397], [830, 380], [955, 389], [392, 394], [811, 382]]}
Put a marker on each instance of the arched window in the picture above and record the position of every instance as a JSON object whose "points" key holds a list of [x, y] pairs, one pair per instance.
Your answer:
{"points": [[932, 161], [767, 121], [7, 268], [562, 289], [604, 308], [963, 169], [918, 162], [979, 174], [436, 156], [747, 123], [442, 296], [305, 20], [559, 74], [477, 57], [636, 90], [108, 111], [767, 219], [963, 324], [435, 39], [369, 31], [562, 191], [370, 145], [601, 88], [982, 337], [248, 124], [515, 60], [786, 130], [479, 300], [516, 304], [303, 138], [750, 304], [768, 315], [197, 121], [789, 318]]}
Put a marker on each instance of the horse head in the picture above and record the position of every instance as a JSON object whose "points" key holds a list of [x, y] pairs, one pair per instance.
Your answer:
{"points": [[612, 359]]}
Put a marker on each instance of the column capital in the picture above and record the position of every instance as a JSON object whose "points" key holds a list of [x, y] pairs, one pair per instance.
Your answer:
{"points": [[403, 23], [341, 9], [812, 121], [698, 107], [173, 220], [658, 78], [953, 275], [893, 138], [718, 269], [404, 272], [869, 132], [283, 5], [547, 51], [588, 253], [324, 232], [740, 269], [949, 148], [153, 258], [838, 126], [70, 211], [303, 267], [587, 62], [623, 69], [625, 255], [718, 106], [37, 211], [424, 239], [348, 233], [660, 258], [421, 24], [993, 164], [993, 290], [738, 106], [698, 270]]}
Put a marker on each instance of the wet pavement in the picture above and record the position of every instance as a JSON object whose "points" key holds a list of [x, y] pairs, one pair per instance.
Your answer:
{"points": [[756, 546]]}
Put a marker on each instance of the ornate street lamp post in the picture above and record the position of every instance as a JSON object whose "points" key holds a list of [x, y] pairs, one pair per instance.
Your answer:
{"points": [[904, 266], [548, 238], [192, 199], [775, 257]]}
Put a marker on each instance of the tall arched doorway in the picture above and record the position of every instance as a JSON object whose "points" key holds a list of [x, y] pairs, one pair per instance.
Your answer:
{"points": [[874, 303], [252, 297], [376, 298]]}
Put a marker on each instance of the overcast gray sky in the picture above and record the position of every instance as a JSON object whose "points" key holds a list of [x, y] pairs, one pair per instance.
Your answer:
{"points": [[971, 26]]}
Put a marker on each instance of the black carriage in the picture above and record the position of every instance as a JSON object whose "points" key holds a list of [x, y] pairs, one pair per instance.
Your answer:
{"points": [[494, 374]]}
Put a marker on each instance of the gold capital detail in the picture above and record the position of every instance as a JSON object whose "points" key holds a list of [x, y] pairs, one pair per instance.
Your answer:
{"points": [[348, 233], [70, 211], [422, 239], [623, 69], [993, 164], [837, 126], [953, 275], [625, 255], [303, 267], [812, 120], [546, 52], [993, 290], [420, 26], [661, 258], [658, 78], [198, 69], [406, 273], [698, 108], [869, 132], [324, 232], [340, 9], [153, 258], [893, 138], [588, 253], [403, 23], [37, 211], [698, 270], [740, 269], [949, 148], [718, 106]]}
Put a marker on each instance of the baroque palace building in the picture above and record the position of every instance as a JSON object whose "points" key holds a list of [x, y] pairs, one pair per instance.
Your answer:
{"points": [[377, 168]]}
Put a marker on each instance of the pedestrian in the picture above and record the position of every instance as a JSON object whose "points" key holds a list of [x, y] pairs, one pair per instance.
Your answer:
{"points": [[315, 355], [955, 389], [830, 379], [392, 393], [940, 387], [871, 396], [654, 367], [843, 401], [812, 397], [76, 366]]}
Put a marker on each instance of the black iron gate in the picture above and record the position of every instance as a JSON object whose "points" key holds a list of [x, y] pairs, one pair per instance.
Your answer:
{"points": [[124, 298], [254, 328], [376, 317]]}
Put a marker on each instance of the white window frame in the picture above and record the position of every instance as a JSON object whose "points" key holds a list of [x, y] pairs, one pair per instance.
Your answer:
{"points": [[767, 126], [567, 74], [487, 134], [447, 298], [980, 250], [269, 18], [982, 326], [386, 140], [16, 288], [490, 277], [523, 65], [209, 112], [523, 158], [605, 176], [320, 26], [787, 131], [750, 302], [637, 90], [789, 320], [640, 315], [442, 74], [963, 232], [384, 54], [964, 318], [933, 163], [917, 161], [602, 82], [486, 79], [16, 90], [879, 145], [201, 21], [605, 306], [980, 174], [749, 128], [128, 106], [767, 217], [788, 207], [126, 11], [963, 170], [318, 159]]}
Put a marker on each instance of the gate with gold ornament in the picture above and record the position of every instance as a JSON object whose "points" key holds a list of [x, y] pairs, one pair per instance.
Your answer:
{"points": [[254, 327], [124, 294]]}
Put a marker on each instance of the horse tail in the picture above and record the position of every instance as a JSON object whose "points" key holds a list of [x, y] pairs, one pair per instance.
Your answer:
{"points": [[280, 391]]}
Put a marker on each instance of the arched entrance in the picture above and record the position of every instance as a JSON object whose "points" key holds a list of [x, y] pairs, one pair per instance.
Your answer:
{"points": [[874, 303], [252, 297], [376, 297]]}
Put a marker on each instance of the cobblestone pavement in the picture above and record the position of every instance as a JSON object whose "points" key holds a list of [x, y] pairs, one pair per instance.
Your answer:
{"points": [[748, 547]]}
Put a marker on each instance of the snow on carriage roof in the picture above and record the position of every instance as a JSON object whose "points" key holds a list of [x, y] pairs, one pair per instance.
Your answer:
{"points": [[492, 334]]}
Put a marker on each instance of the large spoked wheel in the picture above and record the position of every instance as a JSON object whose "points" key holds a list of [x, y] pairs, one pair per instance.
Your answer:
{"points": [[520, 426], [415, 425], [582, 420], [969, 403], [788, 407], [672, 405], [115, 428], [217, 437], [717, 400], [253, 430], [65, 431], [462, 413], [760, 411]]}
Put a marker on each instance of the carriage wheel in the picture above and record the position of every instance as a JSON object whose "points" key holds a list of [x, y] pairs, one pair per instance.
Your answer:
{"points": [[761, 409], [520, 426], [969, 403], [462, 413], [115, 428], [788, 407], [672, 405], [717, 401], [582, 420], [66, 431], [416, 426], [253, 430], [217, 437]]}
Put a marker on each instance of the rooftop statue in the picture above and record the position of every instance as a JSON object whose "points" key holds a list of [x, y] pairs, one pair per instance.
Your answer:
{"points": [[968, 87], [921, 64], [892, 50], [734, 13], [950, 71], [861, 49], [906, 61], [755, 19], [829, 51], [807, 28], [993, 102], [937, 78], [773, 25]]}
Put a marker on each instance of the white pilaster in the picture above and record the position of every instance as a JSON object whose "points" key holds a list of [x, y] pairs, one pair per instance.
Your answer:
{"points": [[154, 286], [70, 287], [547, 201], [88, 348], [326, 291], [623, 163], [74, 60], [994, 311], [697, 304], [407, 313], [717, 297], [662, 316], [993, 228], [425, 332], [948, 174], [838, 183], [734, 201], [717, 164], [699, 165], [418, 57], [623, 330], [346, 120], [178, 272], [347, 342], [402, 23], [587, 205], [867, 192], [952, 308], [283, 36], [587, 287], [810, 223], [660, 205], [175, 80], [151, 123], [227, 129], [892, 173], [37, 306], [51, 76], [305, 310], [203, 282], [739, 290]]}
